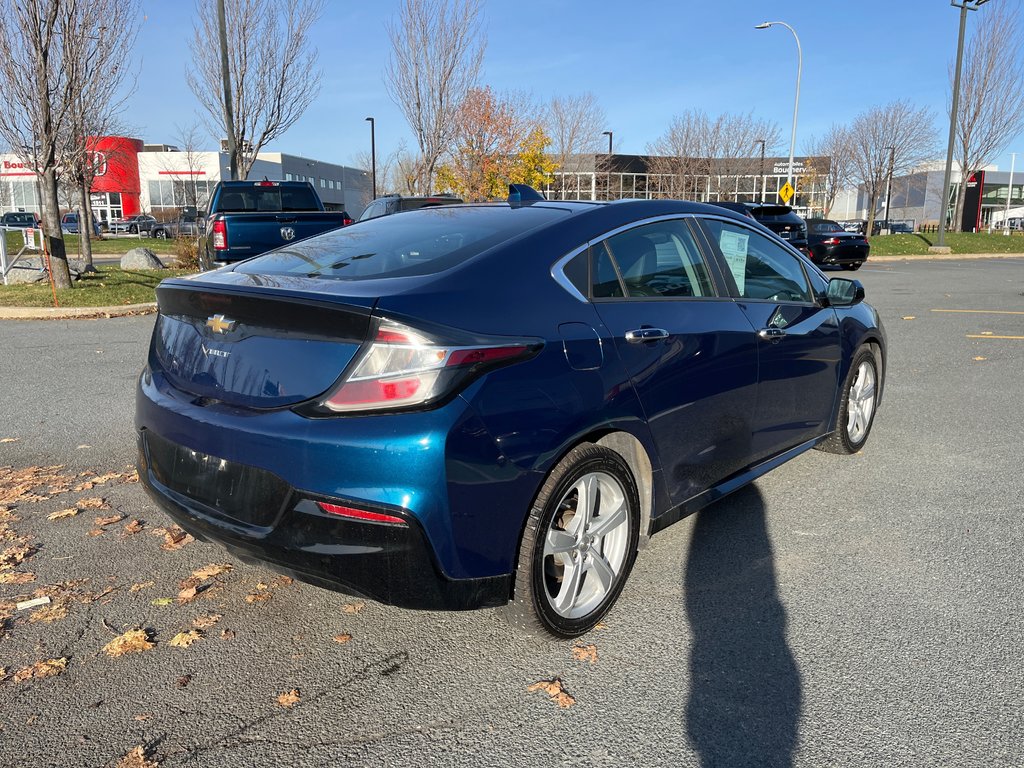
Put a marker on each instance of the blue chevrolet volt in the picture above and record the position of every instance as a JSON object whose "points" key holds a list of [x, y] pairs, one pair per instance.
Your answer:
{"points": [[494, 404]]}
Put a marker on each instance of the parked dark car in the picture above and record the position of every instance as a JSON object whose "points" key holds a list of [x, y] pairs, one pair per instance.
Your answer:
{"points": [[133, 225], [780, 219], [248, 218], [491, 405], [385, 206], [829, 243], [857, 226], [188, 224], [69, 224], [20, 219]]}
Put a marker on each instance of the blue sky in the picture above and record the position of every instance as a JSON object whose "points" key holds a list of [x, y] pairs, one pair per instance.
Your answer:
{"points": [[644, 60]]}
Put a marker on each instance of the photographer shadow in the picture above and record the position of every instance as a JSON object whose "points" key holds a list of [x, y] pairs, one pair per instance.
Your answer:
{"points": [[744, 703]]}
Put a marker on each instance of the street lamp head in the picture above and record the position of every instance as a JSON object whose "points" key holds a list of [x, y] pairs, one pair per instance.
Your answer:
{"points": [[763, 25], [370, 119]]}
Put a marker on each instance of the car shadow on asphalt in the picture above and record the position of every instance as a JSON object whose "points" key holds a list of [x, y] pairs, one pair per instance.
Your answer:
{"points": [[744, 703]]}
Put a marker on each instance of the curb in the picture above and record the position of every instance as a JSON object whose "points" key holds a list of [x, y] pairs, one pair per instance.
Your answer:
{"points": [[76, 313], [942, 257]]}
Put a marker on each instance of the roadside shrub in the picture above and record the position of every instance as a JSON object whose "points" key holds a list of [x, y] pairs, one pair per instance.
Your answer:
{"points": [[186, 249]]}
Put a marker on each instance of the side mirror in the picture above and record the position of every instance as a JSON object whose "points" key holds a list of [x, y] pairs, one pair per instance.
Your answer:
{"points": [[844, 293]]}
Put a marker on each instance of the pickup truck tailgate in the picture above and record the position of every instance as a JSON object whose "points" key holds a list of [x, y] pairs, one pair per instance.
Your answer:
{"points": [[250, 234]]}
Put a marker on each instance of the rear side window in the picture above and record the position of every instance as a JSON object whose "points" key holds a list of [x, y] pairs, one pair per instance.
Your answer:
{"points": [[660, 260], [761, 268], [269, 199], [420, 242]]}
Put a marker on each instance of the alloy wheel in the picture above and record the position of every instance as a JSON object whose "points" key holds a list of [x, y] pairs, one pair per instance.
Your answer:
{"points": [[861, 402]]}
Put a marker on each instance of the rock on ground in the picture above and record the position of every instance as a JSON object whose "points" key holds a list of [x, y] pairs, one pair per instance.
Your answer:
{"points": [[141, 258]]}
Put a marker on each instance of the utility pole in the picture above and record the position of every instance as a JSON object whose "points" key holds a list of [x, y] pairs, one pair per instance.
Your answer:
{"points": [[888, 188], [761, 174], [225, 73], [373, 154], [1009, 195]]}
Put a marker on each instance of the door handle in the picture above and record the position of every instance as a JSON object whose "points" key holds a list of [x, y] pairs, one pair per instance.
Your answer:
{"points": [[774, 335], [641, 335]]}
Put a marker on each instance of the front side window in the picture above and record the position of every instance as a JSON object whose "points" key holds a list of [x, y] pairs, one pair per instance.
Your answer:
{"points": [[660, 260], [762, 269]]}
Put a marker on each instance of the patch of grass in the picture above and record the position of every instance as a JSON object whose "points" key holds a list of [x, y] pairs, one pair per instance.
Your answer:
{"points": [[100, 246], [960, 242], [111, 286]]}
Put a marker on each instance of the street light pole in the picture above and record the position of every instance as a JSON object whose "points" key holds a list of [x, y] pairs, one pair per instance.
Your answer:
{"points": [[373, 154], [761, 174], [888, 187], [796, 102], [1009, 195], [964, 6], [609, 135]]}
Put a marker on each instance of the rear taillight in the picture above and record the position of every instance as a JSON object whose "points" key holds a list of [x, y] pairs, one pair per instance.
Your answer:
{"points": [[830, 241], [403, 367], [220, 235], [346, 221], [360, 514]]}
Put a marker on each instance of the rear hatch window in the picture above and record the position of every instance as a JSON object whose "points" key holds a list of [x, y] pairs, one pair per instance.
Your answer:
{"points": [[421, 242], [267, 199]]}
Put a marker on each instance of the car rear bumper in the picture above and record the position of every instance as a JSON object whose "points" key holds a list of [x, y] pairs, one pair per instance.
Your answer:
{"points": [[259, 518], [840, 254]]}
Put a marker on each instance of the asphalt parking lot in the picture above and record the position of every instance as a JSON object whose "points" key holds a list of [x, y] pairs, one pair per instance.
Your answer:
{"points": [[843, 611]]}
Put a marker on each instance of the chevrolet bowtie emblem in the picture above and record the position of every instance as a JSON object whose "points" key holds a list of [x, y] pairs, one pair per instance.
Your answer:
{"points": [[220, 324]]}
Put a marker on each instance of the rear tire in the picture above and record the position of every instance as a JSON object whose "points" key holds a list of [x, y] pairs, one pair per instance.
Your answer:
{"points": [[857, 407], [579, 545]]}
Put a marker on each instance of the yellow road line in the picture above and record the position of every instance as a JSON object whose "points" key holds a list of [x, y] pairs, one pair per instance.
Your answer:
{"points": [[981, 311], [986, 336]]}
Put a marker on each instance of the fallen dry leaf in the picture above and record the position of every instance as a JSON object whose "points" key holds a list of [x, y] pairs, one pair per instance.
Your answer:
{"points": [[143, 717], [353, 608], [187, 595], [92, 502], [979, 358], [49, 613], [14, 577], [555, 691], [141, 586], [185, 639], [175, 538], [132, 641], [108, 520], [585, 653], [342, 639], [183, 681], [96, 532], [162, 601], [61, 513], [289, 699], [41, 669], [137, 758], [14, 556], [212, 570], [135, 526], [92, 482], [257, 597], [207, 621], [227, 634], [283, 581], [9, 439]]}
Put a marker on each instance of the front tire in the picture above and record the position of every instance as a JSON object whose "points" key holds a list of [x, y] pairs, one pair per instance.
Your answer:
{"points": [[579, 544], [160, 234], [857, 407]]}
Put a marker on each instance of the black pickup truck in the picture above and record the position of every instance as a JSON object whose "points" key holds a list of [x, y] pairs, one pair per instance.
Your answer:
{"points": [[248, 218]]}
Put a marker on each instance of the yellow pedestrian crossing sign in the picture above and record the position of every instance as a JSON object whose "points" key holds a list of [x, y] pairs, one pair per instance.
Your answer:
{"points": [[786, 192]]}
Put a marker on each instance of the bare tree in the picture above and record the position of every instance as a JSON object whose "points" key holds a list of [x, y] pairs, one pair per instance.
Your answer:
{"points": [[698, 151], [836, 145], [574, 124], [272, 70], [100, 88], [990, 112], [437, 48], [34, 78], [893, 138]]}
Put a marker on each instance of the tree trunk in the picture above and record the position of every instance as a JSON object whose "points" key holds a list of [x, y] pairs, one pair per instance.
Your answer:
{"points": [[51, 226], [872, 202], [85, 227]]}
